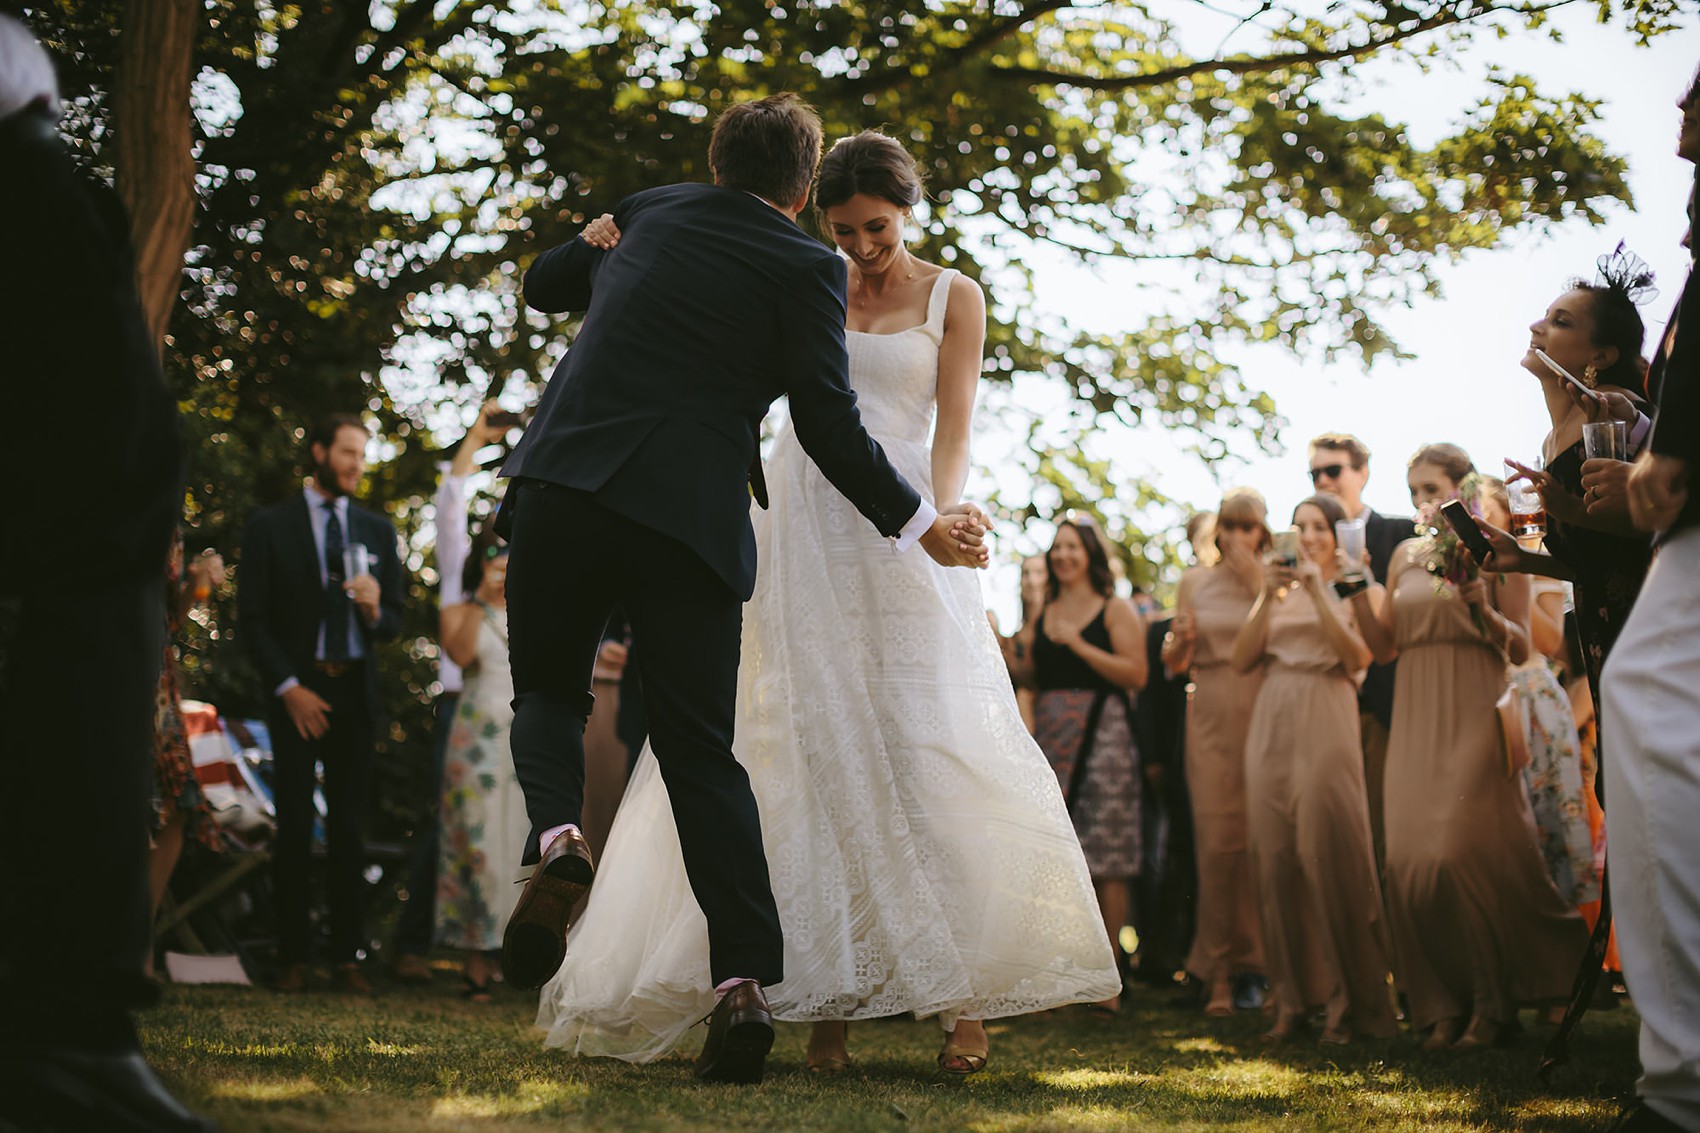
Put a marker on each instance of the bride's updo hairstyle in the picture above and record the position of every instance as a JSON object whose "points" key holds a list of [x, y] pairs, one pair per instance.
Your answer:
{"points": [[868, 163]]}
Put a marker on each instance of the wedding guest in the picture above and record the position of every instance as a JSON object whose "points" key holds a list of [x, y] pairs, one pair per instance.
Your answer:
{"points": [[1593, 331], [1165, 895], [1210, 608], [1339, 466], [1088, 654], [1651, 704], [1319, 905], [80, 645], [1478, 927], [414, 928], [181, 810], [311, 631], [1558, 777], [483, 819], [1018, 646]]}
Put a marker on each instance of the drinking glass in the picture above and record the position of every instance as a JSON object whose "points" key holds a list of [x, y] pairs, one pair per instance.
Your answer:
{"points": [[356, 560], [1605, 440], [1528, 511], [1349, 534]]}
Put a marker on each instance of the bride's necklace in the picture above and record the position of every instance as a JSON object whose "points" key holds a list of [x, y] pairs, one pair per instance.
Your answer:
{"points": [[862, 296]]}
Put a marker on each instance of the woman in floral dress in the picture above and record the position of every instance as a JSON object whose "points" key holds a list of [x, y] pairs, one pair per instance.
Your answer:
{"points": [[483, 809]]}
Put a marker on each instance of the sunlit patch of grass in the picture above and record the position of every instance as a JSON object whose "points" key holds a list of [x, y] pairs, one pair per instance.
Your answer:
{"points": [[1075, 1119], [1251, 1078], [1540, 1113], [265, 1090], [1200, 1045], [1430, 1104], [1088, 1079], [393, 1050]]}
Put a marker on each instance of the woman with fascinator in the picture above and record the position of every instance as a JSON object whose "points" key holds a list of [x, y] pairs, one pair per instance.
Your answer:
{"points": [[1593, 331]]}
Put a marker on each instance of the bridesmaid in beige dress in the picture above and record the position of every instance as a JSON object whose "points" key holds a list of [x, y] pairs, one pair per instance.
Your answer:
{"points": [[1324, 940], [1478, 926], [1211, 606]]}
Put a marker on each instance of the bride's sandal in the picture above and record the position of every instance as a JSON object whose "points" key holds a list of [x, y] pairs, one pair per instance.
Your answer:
{"points": [[831, 1064], [960, 1058]]}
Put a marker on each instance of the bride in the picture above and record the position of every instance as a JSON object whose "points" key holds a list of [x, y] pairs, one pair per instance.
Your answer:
{"points": [[920, 852]]}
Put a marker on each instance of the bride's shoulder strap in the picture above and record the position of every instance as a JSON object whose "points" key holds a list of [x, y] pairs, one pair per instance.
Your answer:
{"points": [[940, 299]]}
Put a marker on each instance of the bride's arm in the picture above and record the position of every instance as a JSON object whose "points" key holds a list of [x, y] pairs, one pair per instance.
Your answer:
{"points": [[961, 356]]}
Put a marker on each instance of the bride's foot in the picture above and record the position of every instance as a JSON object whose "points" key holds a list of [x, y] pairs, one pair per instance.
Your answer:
{"points": [[1221, 1004], [1443, 1034], [965, 1049], [829, 1051]]}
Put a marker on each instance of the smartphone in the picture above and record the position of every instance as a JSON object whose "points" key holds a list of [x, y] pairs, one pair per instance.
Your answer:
{"points": [[503, 419], [1547, 361], [1458, 518]]}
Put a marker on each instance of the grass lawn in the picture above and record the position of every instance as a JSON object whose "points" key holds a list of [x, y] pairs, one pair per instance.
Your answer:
{"points": [[426, 1059]]}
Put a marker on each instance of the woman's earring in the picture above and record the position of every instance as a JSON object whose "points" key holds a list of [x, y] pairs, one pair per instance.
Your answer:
{"points": [[1591, 376]]}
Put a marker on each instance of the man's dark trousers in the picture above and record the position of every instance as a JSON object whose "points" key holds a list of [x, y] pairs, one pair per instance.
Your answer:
{"points": [[346, 751], [571, 562]]}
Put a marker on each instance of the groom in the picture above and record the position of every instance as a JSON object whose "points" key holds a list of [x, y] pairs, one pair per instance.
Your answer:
{"points": [[632, 486]]}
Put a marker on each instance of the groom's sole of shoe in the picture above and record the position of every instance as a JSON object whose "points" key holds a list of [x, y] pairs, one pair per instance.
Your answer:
{"points": [[742, 1056], [536, 938]]}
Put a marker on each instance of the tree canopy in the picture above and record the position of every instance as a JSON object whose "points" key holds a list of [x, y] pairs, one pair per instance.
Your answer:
{"points": [[371, 180]]}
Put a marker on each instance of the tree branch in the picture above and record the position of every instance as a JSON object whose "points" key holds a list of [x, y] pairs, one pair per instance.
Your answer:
{"points": [[954, 58], [1254, 64]]}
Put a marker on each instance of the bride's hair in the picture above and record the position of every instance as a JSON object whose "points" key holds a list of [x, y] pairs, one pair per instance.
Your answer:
{"points": [[868, 163]]}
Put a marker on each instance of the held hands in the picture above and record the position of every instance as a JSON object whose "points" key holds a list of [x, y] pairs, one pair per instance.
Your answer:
{"points": [[1657, 488], [602, 232], [1278, 577], [365, 592], [1605, 487], [308, 711], [1475, 592], [958, 538]]}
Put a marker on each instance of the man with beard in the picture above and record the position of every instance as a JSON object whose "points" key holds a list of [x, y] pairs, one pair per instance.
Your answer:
{"points": [[309, 618]]}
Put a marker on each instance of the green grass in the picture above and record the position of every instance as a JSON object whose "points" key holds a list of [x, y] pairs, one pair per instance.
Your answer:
{"points": [[425, 1059]]}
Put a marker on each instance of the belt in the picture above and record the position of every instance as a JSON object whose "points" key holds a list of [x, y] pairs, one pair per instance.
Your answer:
{"points": [[334, 668]]}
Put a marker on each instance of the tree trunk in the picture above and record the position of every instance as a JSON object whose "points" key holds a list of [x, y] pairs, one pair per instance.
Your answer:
{"points": [[155, 168]]}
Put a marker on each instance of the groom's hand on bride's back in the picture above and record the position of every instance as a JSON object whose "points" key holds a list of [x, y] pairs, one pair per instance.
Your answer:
{"points": [[958, 538]]}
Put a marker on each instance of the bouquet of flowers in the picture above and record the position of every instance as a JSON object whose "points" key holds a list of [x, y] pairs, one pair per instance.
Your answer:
{"points": [[1444, 554]]}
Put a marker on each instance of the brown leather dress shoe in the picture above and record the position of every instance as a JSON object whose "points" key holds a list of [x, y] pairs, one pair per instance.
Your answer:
{"points": [[351, 979], [740, 1033], [536, 938], [292, 980]]}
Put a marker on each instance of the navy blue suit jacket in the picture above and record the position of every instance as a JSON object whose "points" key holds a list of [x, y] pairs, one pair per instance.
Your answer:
{"points": [[713, 305]]}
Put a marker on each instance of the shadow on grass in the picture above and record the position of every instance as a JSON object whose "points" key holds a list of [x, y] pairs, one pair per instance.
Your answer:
{"points": [[427, 1060]]}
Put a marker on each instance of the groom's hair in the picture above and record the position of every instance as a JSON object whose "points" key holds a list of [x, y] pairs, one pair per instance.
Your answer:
{"points": [[768, 147]]}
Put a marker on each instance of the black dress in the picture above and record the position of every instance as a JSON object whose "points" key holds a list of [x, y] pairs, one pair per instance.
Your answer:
{"points": [[1608, 571], [1084, 726]]}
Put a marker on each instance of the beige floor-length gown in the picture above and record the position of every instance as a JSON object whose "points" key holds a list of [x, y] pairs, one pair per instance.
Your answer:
{"points": [[1227, 940], [1324, 938], [1478, 926]]}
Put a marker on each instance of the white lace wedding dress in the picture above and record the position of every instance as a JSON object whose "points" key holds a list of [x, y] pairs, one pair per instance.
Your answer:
{"points": [[921, 855]]}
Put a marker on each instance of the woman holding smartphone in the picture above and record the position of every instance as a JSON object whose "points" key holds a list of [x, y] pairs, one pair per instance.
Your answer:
{"points": [[1478, 926], [1324, 939], [1210, 607]]}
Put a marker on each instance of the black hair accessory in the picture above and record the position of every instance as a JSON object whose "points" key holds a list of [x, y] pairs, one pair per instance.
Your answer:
{"points": [[1628, 274]]}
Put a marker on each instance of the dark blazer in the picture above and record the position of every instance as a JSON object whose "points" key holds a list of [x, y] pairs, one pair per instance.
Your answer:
{"points": [[1674, 383], [713, 305], [280, 602], [1382, 536]]}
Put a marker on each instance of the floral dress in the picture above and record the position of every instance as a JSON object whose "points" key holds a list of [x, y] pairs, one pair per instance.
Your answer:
{"points": [[176, 789], [483, 808]]}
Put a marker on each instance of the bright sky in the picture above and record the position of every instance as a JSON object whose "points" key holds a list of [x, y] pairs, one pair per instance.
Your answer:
{"points": [[1465, 384]]}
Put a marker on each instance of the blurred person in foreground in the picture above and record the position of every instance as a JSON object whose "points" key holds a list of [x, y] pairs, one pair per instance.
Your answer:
{"points": [[1651, 706], [85, 649]]}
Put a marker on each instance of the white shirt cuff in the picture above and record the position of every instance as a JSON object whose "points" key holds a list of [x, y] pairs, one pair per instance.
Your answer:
{"points": [[1643, 426], [288, 684], [917, 526]]}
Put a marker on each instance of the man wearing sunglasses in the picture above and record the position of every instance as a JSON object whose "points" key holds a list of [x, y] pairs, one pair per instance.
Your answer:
{"points": [[1339, 465]]}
